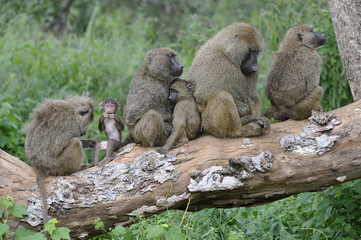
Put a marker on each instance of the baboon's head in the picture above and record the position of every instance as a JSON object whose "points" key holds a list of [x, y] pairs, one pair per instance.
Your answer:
{"points": [[243, 45], [162, 63], [304, 34], [83, 112]]}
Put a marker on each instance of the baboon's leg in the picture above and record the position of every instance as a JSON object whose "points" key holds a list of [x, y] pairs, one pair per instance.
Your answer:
{"points": [[112, 146], [150, 130], [71, 157], [302, 109], [221, 119]]}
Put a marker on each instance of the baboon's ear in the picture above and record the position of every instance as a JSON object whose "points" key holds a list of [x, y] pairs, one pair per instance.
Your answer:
{"points": [[118, 106], [234, 38], [101, 105], [299, 37]]}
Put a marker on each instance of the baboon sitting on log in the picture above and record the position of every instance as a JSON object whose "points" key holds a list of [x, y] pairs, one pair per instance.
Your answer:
{"points": [[148, 111], [293, 80]]}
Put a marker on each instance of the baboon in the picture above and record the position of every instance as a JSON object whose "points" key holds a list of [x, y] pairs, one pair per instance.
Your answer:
{"points": [[225, 74], [52, 143], [147, 110], [111, 124], [293, 80], [186, 118]]}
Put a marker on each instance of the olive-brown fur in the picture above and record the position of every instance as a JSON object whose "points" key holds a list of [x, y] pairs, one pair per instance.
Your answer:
{"points": [[293, 79], [52, 143], [186, 118], [148, 112], [225, 93]]}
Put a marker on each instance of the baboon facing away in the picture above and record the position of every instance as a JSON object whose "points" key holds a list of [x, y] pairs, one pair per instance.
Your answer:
{"points": [[293, 79], [52, 142], [225, 74], [147, 110], [186, 118]]}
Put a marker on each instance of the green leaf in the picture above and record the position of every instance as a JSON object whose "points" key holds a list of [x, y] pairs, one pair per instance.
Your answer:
{"points": [[3, 140], [7, 202], [357, 187], [4, 228], [339, 219], [1, 213], [328, 213], [118, 231], [26, 234], [18, 210], [154, 232], [50, 226], [174, 234], [61, 233], [98, 223]]}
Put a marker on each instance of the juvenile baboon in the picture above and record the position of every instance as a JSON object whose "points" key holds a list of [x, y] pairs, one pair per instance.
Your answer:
{"points": [[225, 74], [147, 110], [52, 142], [186, 118], [293, 80], [111, 124]]}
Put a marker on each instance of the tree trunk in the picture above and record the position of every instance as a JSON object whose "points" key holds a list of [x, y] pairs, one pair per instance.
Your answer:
{"points": [[345, 16], [293, 157]]}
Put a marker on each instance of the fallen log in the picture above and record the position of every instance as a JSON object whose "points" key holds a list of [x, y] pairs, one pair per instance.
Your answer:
{"points": [[293, 157]]}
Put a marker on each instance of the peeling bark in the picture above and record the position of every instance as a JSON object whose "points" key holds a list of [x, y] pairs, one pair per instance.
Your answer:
{"points": [[293, 157]]}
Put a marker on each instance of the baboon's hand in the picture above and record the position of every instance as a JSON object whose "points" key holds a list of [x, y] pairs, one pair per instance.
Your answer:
{"points": [[264, 123]]}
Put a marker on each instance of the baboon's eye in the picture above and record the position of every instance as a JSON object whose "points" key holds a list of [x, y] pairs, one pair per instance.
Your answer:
{"points": [[83, 112]]}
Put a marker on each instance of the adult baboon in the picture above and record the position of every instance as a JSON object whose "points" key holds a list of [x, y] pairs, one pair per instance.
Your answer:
{"points": [[52, 143], [186, 118], [293, 80], [147, 110], [225, 74]]}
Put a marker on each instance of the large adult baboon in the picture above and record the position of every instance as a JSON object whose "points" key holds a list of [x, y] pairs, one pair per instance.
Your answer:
{"points": [[147, 110], [52, 143], [225, 74], [293, 80]]}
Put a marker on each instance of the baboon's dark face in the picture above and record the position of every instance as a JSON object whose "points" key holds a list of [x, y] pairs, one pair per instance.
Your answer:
{"points": [[176, 68], [249, 64], [173, 96], [319, 39], [306, 35], [162, 63], [244, 48]]}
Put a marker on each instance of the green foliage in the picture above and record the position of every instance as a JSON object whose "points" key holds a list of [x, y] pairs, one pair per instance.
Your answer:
{"points": [[9, 208], [332, 214]]}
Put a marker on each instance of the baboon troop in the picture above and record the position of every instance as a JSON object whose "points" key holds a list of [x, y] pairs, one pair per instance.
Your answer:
{"points": [[148, 111], [293, 80], [225, 75], [52, 143], [218, 97]]}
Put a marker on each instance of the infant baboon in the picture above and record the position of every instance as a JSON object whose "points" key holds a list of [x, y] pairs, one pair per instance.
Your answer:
{"points": [[186, 118], [111, 124], [147, 110], [52, 142], [293, 80], [225, 74]]}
